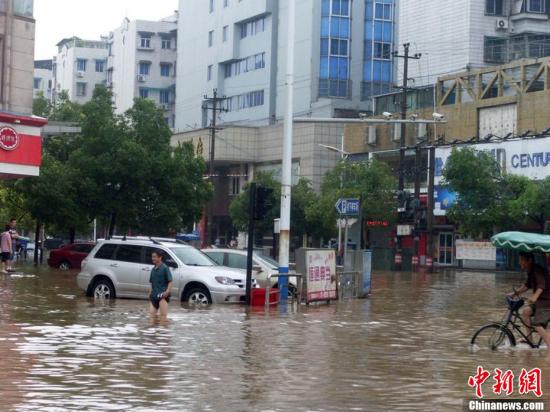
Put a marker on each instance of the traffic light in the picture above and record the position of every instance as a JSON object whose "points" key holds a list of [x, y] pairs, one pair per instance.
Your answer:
{"points": [[264, 202]]}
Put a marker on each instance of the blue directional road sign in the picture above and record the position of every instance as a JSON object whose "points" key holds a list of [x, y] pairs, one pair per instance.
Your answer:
{"points": [[348, 207]]}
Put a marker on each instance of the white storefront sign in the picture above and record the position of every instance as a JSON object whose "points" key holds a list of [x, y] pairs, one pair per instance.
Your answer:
{"points": [[522, 157], [469, 250]]}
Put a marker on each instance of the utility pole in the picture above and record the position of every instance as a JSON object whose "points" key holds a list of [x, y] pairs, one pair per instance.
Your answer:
{"points": [[430, 212], [212, 104], [403, 138], [286, 181]]}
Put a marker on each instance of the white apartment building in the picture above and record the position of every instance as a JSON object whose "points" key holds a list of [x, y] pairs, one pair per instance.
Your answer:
{"points": [[142, 63], [43, 78], [79, 66], [239, 48], [461, 35]]}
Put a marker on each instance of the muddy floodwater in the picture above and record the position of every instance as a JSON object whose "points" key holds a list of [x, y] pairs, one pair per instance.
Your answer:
{"points": [[406, 348]]}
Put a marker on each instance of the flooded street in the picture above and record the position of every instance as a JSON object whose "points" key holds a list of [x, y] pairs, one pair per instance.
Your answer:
{"points": [[406, 348]]}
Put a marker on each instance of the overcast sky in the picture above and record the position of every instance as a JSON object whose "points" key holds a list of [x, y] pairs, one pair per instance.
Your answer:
{"points": [[88, 19]]}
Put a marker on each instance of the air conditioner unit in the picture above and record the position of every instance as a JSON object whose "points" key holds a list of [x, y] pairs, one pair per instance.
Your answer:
{"points": [[397, 132], [502, 24], [372, 135], [141, 78], [80, 74]]}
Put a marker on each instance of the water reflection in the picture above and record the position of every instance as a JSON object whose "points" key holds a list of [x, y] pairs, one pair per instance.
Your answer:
{"points": [[406, 349]]}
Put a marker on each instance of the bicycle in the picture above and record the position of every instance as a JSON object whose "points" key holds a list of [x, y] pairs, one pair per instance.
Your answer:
{"points": [[500, 334]]}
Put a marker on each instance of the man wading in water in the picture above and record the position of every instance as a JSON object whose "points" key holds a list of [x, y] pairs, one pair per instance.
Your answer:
{"points": [[161, 284]]}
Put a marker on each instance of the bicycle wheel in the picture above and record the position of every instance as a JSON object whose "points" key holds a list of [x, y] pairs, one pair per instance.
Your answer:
{"points": [[493, 336]]}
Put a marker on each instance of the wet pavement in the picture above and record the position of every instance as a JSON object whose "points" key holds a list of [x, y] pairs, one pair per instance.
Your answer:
{"points": [[406, 348]]}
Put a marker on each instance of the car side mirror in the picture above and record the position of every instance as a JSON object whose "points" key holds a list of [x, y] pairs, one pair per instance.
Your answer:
{"points": [[171, 263], [256, 268]]}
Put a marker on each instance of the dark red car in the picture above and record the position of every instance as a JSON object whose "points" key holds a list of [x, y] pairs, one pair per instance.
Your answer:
{"points": [[70, 256]]}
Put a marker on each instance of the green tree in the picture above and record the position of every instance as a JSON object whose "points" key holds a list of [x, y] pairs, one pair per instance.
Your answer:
{"points": [[64, 110], [475, 177], [371, 181], [41, 106]]}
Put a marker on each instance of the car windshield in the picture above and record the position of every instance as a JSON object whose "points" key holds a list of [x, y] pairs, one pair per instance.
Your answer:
{"points": [[192, 257], [269, 261]]}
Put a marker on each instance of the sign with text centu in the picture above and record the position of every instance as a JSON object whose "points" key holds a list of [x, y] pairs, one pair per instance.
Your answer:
{"points": [[320, 276], [522, 157]]}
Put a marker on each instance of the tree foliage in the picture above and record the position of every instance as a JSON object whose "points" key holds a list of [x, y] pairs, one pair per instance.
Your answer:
{"points": [[121, 169], [41, 106], [489, 200]]}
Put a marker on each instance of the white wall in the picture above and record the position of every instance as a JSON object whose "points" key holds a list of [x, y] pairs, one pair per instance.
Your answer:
{"points": [[126, 54], [46, 82], [67, 76]]}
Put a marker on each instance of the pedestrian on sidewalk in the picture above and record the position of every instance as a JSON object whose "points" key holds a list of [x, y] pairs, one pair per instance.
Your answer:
{"points": [[6, 249], [161, 284]]}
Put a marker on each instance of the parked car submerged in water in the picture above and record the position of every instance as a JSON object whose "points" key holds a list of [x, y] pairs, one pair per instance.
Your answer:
{"points": [[120, 268], [70, 256]]}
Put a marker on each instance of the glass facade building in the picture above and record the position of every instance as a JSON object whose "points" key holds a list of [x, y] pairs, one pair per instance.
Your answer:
{"points": [[334, 76], [379, 46]]}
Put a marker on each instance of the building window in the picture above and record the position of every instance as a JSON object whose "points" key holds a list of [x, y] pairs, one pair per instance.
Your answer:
{"points": [[225, 33], [225, 3], [81, 89], [495, 50], [382, 50], [165, 69], [209, 73], [535, 6], [253, 27], [494, 7], [37, 82], [235, 186], [144, 68], [210, 38], [81, 65], [144, 92], [100, 66], [248, 64], [166, 44], [211, 6], [382, 11], [145, 42], [164, 97], [245, 101], [338, 47], [340, 8]]}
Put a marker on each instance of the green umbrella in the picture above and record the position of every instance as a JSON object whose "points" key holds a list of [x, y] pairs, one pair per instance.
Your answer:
{"points": [[526, 242]]}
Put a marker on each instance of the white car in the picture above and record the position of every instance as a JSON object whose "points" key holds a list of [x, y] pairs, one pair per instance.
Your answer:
{"points": [[262, 265], [120, 268]]}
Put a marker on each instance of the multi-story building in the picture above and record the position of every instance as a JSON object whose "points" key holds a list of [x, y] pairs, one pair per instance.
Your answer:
{"points": [[17, 26], [343, 57], [43, 78], [142, 63], [79, 66], [470, 34]]}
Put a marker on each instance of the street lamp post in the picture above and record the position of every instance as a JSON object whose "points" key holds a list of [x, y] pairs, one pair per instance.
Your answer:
{"points": [[286, 181]]}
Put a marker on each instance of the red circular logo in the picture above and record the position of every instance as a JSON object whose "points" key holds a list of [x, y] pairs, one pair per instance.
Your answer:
{"points": [[9, 139]]}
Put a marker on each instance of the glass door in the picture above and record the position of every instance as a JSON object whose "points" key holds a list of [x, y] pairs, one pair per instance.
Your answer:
{"points": [[446, 249]]}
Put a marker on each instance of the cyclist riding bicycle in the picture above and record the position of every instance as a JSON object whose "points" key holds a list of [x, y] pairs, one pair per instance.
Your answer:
{"points": [[538, 305]]}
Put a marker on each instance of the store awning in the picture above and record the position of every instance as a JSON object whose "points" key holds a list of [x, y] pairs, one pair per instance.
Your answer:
{"points": [[522, 241]]}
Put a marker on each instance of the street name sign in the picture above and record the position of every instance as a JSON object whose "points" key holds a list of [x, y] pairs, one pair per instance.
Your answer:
{"points": [[348, 207]]}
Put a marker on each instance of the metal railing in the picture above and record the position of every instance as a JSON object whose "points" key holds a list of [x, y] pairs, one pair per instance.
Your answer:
{"points": [[348, 284]]}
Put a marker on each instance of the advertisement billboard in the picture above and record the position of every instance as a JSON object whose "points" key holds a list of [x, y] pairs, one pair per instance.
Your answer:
{"points": [[321, 275], [522, 157]]}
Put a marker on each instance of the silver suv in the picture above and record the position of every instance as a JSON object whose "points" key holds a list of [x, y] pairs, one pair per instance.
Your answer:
{"points": [[120, 267]]}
